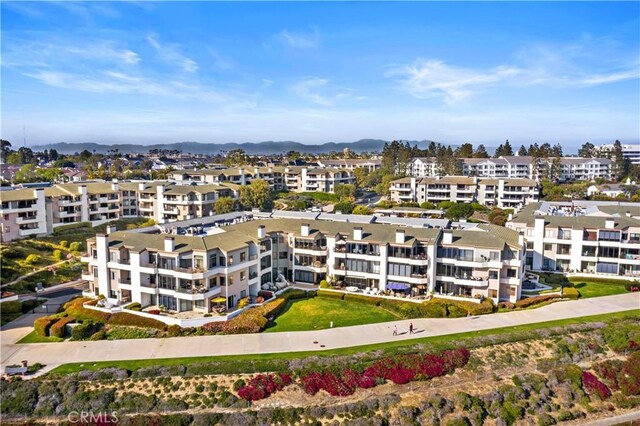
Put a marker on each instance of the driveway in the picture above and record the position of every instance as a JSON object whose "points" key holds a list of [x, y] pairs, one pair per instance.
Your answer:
{"points": [[109, 350]]}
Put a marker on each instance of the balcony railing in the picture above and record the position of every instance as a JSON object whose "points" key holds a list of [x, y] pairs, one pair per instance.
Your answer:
{"points": [[192, 290]]}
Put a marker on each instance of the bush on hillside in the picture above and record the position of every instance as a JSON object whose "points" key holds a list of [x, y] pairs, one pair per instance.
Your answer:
{"points": [[536, 300], [324, 284], [58, 329], [133, 320], [85, 330], [43, 325], [570, 293]]}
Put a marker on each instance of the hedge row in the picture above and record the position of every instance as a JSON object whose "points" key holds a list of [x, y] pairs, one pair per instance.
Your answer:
{"points": [[125, 318], [531, 301], [570, 293], [85, 330], [43, 325], [434, 308], [62, 228], [57, 329], [75, 309]]}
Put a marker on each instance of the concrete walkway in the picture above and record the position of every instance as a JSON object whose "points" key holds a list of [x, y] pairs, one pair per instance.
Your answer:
{"points": [[91, 351]]}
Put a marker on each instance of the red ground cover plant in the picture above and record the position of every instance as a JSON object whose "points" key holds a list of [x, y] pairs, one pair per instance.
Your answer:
{"points": [[399, 370], [593, 386], [263, 385]]}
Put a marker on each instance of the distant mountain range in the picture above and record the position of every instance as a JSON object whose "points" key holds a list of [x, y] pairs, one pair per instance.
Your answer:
{"points": [[269, 147]]}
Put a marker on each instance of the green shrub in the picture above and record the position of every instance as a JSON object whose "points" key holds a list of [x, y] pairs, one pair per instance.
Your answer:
{"points": [[57, 255], [570, 292], [117, 332], [99, 335], [456, 311], [360, 298], [133, 306], [331, 294], [174, 331], [11, 307], [33, 259], [85, 330], [61, 229], [76, 309], [63, 243], [324, 284], [75, 246], [434, 308], [128, 319], [531, 301], [57, 329], [43, 325]]}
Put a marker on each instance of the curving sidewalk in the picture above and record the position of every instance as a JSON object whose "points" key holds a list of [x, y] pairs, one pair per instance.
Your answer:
{"points": [[53, 354]]}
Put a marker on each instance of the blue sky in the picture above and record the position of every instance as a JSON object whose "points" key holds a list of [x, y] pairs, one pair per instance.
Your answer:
{"points": [[142, 72]]}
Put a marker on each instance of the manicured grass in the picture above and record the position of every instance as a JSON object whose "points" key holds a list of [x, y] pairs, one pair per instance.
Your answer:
{"points": [[34, 337], [595, 289], [251, 363], [318, 312]]}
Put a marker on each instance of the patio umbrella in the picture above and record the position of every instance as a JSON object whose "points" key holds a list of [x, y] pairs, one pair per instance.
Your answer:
{"points": [[219, 300]]}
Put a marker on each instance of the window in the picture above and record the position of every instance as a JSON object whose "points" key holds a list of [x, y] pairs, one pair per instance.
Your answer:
{"points": [[243, 275], [512, 273], [548, 247], [199, 304], [283, 255], [304, 276], [243, 293], [530, 232], [231, 280], [607, 268], [609, 236], [512, 291], [493, 294], [243, 256], [548, 233], [609, 252], [398, 269]]}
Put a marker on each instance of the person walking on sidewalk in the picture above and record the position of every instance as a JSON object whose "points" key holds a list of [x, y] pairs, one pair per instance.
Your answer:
{"points": [[395, 330], [411, 328]]}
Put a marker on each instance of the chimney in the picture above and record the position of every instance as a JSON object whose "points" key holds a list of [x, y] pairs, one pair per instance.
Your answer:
{"points": [[141, 186], [256, 172], [111, 229], [510, 218], [357, 233], [399, 236], [169, 244], [262, 231], [114, 185], [270, 170], [447, 236], [628, 214], [304, 230], [609, 224], [521, 238]]}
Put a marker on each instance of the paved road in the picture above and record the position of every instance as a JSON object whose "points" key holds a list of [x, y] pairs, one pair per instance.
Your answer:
{"points": [[90, 351], [628, 419]]}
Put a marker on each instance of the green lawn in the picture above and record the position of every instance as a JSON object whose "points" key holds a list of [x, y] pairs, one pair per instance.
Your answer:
{"points": [[596, 289], [230, 364], [34, 337], [318, 312]]}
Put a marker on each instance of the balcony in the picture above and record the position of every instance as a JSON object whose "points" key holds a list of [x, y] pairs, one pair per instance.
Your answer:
{"points": [[124, 261], [471, 281], [26, 219]]}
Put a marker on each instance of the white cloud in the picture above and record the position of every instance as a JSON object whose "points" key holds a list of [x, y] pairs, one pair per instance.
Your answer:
{"points": [[598, 79], [170, 53], [299, 40], [319, 91], [435, 78]]}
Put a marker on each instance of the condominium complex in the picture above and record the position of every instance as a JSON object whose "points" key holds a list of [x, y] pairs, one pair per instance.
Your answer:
{"points": [[188, 272], [26, 212], [505, 193], [352, 164], [294, 178], [570, 168], [581, 237], [630, 151]]}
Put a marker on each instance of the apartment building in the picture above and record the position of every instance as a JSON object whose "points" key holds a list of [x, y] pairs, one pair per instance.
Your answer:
{"points": [[571, 168], [22, 214], [630, 151], [187, 273], [369, 165], [581, 237], [504, 193], [424, 167], [292, 178]]}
